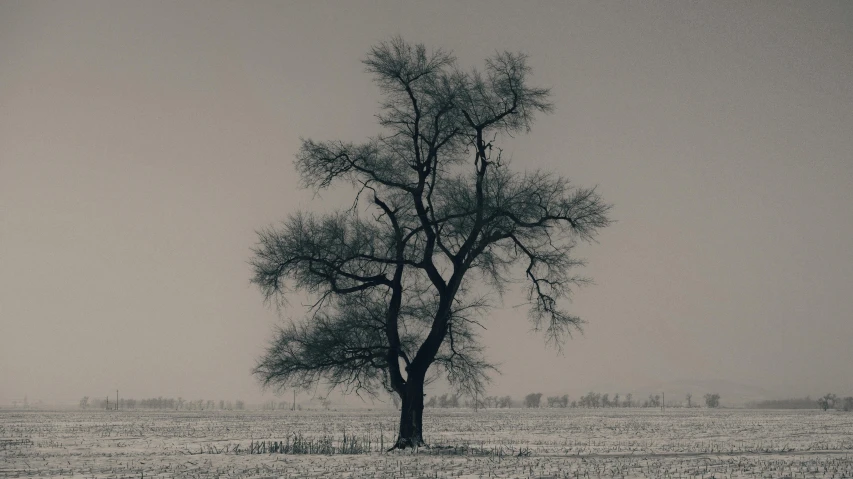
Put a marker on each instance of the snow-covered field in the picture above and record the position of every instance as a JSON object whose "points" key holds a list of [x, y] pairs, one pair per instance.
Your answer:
{"points": [[588, 443]]}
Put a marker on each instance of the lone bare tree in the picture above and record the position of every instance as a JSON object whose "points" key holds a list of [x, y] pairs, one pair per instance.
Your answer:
{"points": [[439, 226]]}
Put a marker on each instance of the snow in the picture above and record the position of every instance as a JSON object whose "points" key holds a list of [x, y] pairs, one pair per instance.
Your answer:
{"points": [[490, 443]]}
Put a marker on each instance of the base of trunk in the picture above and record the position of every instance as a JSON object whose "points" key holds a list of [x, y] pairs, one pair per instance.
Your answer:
{"points": [[410, 434], [409, 442]]}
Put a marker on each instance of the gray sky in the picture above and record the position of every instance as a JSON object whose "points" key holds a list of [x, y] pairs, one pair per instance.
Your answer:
{"points": [[141, 144]]}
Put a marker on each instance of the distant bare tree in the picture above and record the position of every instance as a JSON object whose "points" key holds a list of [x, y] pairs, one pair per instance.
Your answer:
{"points": [[616, 402], [84, 403], [532, 400], [848, 403], [712, 400], [689, 400], [628, 400], [564, 400], [827, 401], [437, 211]]}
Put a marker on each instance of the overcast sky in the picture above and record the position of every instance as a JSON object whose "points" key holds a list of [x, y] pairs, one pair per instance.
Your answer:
{"points": [[142, 144]]}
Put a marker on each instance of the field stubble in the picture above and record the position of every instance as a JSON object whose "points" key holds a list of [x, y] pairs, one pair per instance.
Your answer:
{"points": [[576, 443]]}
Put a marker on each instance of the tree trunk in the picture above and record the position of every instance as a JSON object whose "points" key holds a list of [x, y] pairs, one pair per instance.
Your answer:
{"points": [[411, 413]]}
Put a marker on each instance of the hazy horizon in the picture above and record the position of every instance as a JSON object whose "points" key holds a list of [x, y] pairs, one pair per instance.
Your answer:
{"points": [[143, 144]]}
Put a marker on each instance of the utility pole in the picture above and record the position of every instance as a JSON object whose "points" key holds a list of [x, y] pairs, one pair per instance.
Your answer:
{"points": [[663, 401], [116, 399]]}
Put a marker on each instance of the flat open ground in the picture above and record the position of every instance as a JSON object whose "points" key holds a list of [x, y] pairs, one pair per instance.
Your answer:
{"points": [[588, 443]]}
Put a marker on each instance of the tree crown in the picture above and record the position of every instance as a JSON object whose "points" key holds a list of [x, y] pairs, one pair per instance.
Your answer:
{"points": [[398, 277]]}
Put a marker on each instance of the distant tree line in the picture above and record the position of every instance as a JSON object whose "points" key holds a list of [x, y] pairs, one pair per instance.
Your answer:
{"points": [[589, 400], [279, 406], [161, 403], [497, 402], [444, 401], [790, 403], [454, 400], [827, 402], [604, 400]]}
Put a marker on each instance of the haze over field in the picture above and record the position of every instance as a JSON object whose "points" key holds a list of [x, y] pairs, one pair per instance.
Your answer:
{"points": [[143, 144]]}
